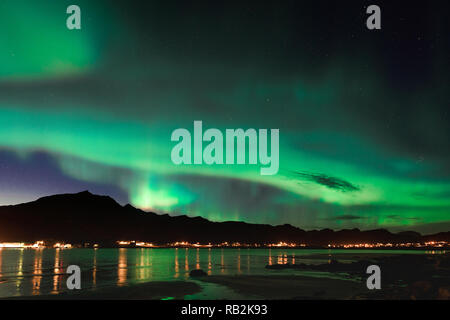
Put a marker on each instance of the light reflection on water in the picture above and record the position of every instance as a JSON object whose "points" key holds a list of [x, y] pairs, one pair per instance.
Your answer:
{"points": [[37, 272], [25, 272]]}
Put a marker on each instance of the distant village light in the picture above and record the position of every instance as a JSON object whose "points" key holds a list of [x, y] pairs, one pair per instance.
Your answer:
{"points": [[12, 245]]}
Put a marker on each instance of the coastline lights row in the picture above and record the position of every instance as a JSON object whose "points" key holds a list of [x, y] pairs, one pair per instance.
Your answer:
{"points": [[438, 244], [284, 244], [136, 243], [281, 244], [62, 245], [12, 245], [36, 245], [209, 245]]}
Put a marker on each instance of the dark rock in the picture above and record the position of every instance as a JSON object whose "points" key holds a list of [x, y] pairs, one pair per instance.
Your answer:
{"points": [[280, 266], [197, 273]]}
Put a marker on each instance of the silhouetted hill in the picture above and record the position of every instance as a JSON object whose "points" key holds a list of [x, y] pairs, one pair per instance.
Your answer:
{"points": [[84, 217]]}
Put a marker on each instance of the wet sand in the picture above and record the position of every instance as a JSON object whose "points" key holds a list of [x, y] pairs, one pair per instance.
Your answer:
{"points": [[146, 291], [289, 287]]}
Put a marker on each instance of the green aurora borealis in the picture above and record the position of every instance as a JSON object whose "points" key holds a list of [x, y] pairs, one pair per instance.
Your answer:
{"points": [[363, 116]]}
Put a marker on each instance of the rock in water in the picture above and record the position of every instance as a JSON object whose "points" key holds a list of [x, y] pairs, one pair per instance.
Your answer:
{"points": [[197, 273]]}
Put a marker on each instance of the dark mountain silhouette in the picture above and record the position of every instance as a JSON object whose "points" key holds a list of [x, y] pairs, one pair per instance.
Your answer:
{"points": [[84, 217]]}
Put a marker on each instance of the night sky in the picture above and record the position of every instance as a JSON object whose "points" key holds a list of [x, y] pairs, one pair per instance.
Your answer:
{"points": [[363, 115]]}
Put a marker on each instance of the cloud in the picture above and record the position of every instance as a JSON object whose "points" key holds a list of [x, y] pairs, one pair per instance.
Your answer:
{"points": [[431, 195], [398, 217], [328, 181]]}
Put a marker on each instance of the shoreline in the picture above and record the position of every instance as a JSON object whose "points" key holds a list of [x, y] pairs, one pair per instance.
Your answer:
{"points": [[243, 247], [156, 290], [341, 278]]}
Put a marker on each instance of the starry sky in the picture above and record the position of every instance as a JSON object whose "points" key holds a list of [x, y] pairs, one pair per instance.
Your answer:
{"points": [[363, 115]]}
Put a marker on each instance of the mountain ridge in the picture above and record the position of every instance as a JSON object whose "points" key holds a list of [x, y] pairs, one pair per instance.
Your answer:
{"points": [[85, 217]]}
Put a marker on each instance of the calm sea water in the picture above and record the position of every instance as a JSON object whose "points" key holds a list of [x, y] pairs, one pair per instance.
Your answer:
{"points": [[26, 272]]}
